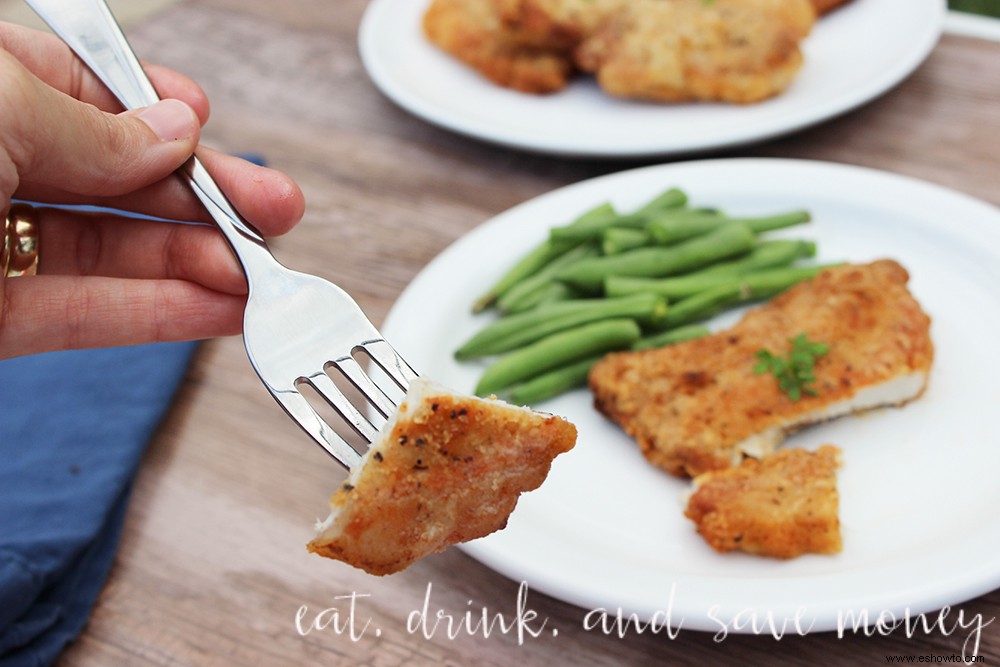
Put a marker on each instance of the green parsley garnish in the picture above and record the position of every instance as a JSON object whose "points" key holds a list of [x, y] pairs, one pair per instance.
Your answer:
{"points": [[795, 373]]}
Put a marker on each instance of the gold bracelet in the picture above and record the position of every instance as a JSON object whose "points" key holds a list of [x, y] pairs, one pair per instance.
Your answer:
{"points": [[19, 255]]}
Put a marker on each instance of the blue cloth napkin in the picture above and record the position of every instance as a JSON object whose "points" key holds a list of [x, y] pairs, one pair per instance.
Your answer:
{"points": [[73, 428]]}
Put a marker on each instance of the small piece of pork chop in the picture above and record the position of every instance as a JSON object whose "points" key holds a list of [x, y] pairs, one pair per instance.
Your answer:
{"points": [[699, 406], [447, 468], [783, 505]]}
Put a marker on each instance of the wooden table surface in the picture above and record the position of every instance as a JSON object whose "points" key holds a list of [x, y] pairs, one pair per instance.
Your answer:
{"points": [[212, 568]]}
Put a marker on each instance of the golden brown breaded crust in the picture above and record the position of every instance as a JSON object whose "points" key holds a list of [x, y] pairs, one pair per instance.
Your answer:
{"points": [[824, 6], [783, 505], [556, 23], [691, 405], [450, 470], [471, 31], [737, 51]]}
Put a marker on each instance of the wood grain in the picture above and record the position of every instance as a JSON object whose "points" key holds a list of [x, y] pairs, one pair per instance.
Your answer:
{"points": [[212, 567]]}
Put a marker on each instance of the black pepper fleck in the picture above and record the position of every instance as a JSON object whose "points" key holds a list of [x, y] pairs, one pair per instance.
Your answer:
{"points": [[378, 456], [403, 439]]}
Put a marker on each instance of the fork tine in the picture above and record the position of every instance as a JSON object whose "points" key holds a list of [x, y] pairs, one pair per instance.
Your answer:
{"points": [[389, 361], [352, 369], [299, 409], [324, 384]]}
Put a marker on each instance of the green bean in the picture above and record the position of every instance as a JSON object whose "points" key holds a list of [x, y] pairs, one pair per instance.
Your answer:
{"points": [[552, 383], [593, 229], [557, 350], [726, 241], [704, 305], [681, 287], [594, 215], [743, 289], [549, 294], [766, 255], [675, 228], [616, 240], [514, 331], [565, 378], [534, 261], [677, 287], [765, 284], [580, 232], [672, 336], [532, 289], [668, 199], [540, 256], [770, 223]]}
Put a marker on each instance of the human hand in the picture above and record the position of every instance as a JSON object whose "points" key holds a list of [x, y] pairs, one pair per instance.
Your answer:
{"points": [[104, 280]]}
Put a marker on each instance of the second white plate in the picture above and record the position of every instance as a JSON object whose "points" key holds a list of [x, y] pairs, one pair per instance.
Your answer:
{"points": [[853, 55]]}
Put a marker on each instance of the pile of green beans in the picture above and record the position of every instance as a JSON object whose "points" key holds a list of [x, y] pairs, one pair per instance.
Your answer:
{"points": [[611, 281]]}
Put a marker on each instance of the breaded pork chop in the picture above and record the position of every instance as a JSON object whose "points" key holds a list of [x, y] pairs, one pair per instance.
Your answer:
{"points": [[446, 469], [699, 406], [738, 51], [783, 505], [471, 31]]}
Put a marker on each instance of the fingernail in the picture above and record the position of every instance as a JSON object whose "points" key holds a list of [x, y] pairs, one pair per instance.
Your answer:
{"points": [[171, 120]]}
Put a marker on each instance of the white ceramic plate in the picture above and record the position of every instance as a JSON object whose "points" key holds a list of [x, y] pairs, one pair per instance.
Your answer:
{"points": [[853, 55], [918, 487]]}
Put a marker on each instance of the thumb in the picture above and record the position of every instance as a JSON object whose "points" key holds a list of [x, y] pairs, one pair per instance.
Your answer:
{"points": [[76, 147]]}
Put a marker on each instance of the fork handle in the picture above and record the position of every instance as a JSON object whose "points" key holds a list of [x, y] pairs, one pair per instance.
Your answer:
{"points": [[91, 31]]}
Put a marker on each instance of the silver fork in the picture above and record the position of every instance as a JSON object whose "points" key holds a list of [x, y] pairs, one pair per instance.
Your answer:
{"points": [[296, 327]]}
